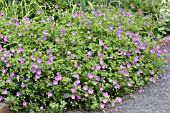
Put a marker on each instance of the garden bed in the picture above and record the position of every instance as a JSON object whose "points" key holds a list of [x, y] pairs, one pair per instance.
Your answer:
{"points": [[81, 60]]}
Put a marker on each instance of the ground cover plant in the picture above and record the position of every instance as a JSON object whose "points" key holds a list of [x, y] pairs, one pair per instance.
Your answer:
{"points": [[81, 60]]}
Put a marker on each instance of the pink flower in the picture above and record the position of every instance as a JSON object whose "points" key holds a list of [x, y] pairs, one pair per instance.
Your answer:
{"points": [[18, 94], [101, 42], [92, 68], [101, 88], [151, 33], [45, 38], [129, 83], [114, 82], [58, 77], [90, 91], [19, 34], [98, 67], [1, 98], [85, 87], [26, 20], [86, 95], [117, 86], [129, 65], [135, 59], [39, 71], [95, 82], [132, 6], [98, 78], [56, 6], [55, 82], [152, 79], [23, 85], [73, 97], [44, 32], [126, 73], [50, 94], [105, 94], [137, 51], [38, 12], [121, 66], [41, 108], [32, 57], [104, 100], [76, 75], [8, 80], [49, 18], [152, 51], [90, 37], [68, 52], [1, 13], [57, 39], [73, 33], [4, 70], [152, 72], [102, 105], [65, 96], [139, 11], [89, 52], [17, 24], [140, 90], [24, 103], [105, 46], [90, 75], [121, 71], [78, 81], [111, 27], [39, 60], [79, 96], [119, 99], [5, 92], [100, 22], [140, 71], [111, 57], [73, 89], [37, 76]]}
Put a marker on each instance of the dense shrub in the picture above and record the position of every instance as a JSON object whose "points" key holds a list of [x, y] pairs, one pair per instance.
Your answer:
{"points": [[81, 60]]}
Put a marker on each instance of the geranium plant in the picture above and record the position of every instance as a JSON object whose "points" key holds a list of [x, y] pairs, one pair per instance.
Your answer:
{"points": [[81, 60]]}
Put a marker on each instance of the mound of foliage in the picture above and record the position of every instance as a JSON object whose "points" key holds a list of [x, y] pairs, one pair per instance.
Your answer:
{"points": [[81, 60]]}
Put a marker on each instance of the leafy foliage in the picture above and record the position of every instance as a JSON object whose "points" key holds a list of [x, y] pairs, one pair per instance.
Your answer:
{"points": [[84, 59]]}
